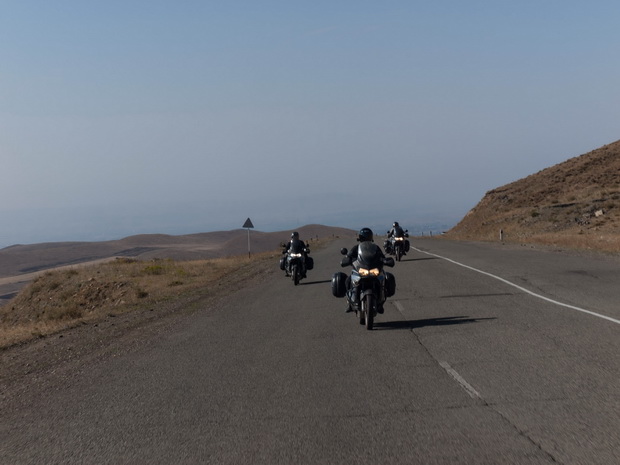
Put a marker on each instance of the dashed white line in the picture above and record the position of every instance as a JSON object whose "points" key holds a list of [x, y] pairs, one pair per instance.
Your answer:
{"points": [[399, 306], [572, 307], [459, 379]]}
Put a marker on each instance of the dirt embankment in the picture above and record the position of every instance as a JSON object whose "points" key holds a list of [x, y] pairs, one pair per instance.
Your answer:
{"points": [[573, 204]]}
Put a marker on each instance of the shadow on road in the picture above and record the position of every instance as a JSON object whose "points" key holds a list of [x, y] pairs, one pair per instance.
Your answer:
{"points": [[459, 296], [418, 259], [315, 282], [413, 324], [8, 296]]}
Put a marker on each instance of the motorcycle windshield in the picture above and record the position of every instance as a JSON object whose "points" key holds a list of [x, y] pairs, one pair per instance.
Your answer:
{"points": [[296, 246], [369, 255]]}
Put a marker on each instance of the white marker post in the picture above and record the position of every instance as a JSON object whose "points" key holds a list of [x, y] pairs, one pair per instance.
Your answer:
{"points": [[248, 224]]}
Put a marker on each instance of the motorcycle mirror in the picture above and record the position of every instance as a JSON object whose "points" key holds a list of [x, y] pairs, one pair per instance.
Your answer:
{"points": [[344, 251], [389, 261]]}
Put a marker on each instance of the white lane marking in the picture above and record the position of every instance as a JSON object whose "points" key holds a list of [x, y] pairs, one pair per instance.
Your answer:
{"points": [[572, 307], [459, 379]]}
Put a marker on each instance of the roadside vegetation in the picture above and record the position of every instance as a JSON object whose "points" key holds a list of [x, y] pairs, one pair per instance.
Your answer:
{"points": [[61, 299]]}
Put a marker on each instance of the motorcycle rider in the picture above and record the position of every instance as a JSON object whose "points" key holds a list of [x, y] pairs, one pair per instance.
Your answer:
{"points": [[396, 231], [364, 235], [296, 245]]}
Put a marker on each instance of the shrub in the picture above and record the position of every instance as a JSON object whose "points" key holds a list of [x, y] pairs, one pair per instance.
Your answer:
{"points": [[153, 270]]}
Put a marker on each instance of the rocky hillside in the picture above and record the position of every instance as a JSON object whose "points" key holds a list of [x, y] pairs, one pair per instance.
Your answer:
{"points": [[572, 204]]}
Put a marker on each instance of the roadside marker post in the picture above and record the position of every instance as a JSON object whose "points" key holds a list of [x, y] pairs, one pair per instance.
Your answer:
{"points": [[248, 224]]}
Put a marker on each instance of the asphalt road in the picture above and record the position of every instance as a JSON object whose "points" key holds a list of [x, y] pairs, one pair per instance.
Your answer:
{"points": [[462, 368]]}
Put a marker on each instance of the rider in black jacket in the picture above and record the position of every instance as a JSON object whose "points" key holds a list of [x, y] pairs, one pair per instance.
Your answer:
{"points": [[396, 231], [296, 245], [364, 235]]}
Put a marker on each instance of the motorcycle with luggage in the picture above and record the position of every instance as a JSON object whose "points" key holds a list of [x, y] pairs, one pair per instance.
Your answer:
{"points": [[397, 246], [368, 287], [295, 263]]}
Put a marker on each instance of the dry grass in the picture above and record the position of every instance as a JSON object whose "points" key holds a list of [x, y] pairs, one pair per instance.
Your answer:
{"points": [[58, 300], [65, 298], [585, 241]]}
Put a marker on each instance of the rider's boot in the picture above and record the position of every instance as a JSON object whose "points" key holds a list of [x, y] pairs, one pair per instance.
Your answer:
{"points": [[352, 300]]}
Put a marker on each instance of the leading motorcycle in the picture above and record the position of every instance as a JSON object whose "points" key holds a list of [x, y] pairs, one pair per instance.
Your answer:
{"points": [[369, 285]]}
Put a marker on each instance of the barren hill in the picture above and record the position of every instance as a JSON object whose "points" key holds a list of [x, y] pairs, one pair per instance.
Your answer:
{"points": [[22, 259], [575, 203]]}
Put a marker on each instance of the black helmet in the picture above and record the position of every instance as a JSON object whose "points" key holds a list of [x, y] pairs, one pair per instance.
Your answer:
{"points": [[395, 224], [295, 235], [365, 234]]}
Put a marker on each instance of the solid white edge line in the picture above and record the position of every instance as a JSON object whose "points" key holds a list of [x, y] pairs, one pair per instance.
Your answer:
{"points": [[572, 307]]}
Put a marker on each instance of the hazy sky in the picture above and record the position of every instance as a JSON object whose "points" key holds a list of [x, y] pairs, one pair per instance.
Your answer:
{"points": [[120, 117]]}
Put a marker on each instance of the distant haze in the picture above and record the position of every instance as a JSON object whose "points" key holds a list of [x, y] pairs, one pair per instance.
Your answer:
{"points": [[119, 118]]}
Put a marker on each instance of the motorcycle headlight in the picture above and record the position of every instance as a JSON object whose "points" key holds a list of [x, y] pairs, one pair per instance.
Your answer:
{"points": [[296, 255], [399, 238], [365, 272]]}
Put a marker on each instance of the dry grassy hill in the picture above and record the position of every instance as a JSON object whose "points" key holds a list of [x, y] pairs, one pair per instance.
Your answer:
{"points": [[572, 204], [22, 259], [40, 295]]}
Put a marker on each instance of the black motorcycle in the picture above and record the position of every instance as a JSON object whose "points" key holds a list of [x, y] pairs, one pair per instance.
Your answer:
{"points": [[296, 263], [397, 246], [368, 286]]}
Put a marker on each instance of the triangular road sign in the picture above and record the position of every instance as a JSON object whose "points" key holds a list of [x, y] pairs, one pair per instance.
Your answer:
{"points": [[248, 224]]}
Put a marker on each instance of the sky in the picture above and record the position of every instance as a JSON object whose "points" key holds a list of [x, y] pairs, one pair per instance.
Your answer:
{"points": [[124, 117]]}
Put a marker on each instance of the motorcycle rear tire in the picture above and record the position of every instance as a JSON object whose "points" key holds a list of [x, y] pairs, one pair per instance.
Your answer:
{"points": [[367, 310], [295, 275]]}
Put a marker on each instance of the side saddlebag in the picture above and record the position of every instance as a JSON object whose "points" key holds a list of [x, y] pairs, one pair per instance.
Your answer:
{"points": [[339, 286], [390, 284]]}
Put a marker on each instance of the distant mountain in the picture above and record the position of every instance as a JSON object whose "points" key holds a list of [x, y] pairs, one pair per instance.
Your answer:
{"points": [[575, 203], [21, 259]]}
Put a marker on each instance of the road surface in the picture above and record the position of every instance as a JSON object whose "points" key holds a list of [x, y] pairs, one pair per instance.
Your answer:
{"points": [[487, 354]]}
